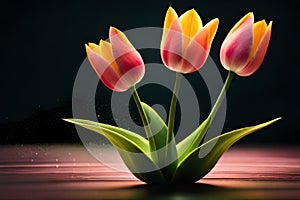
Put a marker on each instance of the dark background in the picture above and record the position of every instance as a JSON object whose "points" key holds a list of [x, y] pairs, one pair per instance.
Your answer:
{"points": [[43, 48]]}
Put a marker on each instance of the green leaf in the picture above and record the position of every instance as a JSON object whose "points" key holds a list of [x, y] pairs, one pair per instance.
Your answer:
{"points": [[97, 127], [200, 161], [168, 162], [194, 139], [157, 126], [132, 148], [191, 142]]}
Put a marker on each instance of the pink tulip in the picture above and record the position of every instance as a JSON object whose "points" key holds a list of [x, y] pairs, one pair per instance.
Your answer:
{"points": [[186, 43], [118, 64], [245, 46]]}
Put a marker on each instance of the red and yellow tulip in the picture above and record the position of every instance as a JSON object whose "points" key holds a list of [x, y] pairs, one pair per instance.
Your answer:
{"points": [[118, 64], [185, 42], [245, 46]]}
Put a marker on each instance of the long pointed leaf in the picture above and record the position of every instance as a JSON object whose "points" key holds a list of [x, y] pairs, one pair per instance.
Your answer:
{"points": [[200, 161], [157, 126], [168, 163], [193, 140], [95, 126], [129, 147]]}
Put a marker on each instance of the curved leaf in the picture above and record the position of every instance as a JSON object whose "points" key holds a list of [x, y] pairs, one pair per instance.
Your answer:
{"points": [[200, 161], [194, 140], [157, 126], [130, 147], [168, 162], [97, 127], [191, 142]]}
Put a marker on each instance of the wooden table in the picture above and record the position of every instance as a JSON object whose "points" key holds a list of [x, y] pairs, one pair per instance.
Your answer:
{"points": [[70, 172]]}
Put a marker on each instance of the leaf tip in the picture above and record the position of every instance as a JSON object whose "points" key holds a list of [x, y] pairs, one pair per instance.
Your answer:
{"points": [[276, 119], [68, 120]]}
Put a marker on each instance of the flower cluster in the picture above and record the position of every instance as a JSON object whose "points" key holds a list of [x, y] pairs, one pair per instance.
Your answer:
{"points": [[185, 46]]}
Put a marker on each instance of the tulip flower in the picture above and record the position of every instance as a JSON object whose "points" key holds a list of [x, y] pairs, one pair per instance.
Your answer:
{"points": [[245, 46], [118, 64], [185, 42]]}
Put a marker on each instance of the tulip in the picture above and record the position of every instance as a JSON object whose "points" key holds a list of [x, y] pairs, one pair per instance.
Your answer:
{"points": [[245, 46], [118, 64], [185, 42]]}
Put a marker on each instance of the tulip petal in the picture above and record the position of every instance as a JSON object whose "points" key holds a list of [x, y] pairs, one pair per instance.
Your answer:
{"points": [[259, 30], [207, 34], [113, 81], [133, 68], [97, 62], [190, 22], [126, 56], [171, 16], [259, 54], [199, 47], [236, 48], [132, 76], [119, 42], [172, 47], [107, 54], [103, 69], [93, 47], [241, 22]]}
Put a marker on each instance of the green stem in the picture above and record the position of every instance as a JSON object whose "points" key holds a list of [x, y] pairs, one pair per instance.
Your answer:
{"points": [[221, 95], [144, 119], [170, 134], [194, 140]]}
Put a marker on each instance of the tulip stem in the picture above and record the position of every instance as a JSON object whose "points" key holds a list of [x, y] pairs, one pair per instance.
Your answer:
{"points": [[221, 95], [170, 133], [144, 118]]}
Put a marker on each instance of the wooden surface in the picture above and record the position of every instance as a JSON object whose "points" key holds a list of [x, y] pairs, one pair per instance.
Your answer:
{"points": [[70, 172]]}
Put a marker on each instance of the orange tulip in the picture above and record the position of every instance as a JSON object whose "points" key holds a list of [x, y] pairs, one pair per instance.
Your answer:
{"points": [[118, 64], [185, 43], [245, 46]]}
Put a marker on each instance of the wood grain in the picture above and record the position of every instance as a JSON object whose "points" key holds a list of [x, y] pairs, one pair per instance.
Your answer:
{"points": [[70, 172]]}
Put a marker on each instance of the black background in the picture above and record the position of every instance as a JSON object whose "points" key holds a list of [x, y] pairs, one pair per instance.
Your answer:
{"points": [[43, 48]]}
